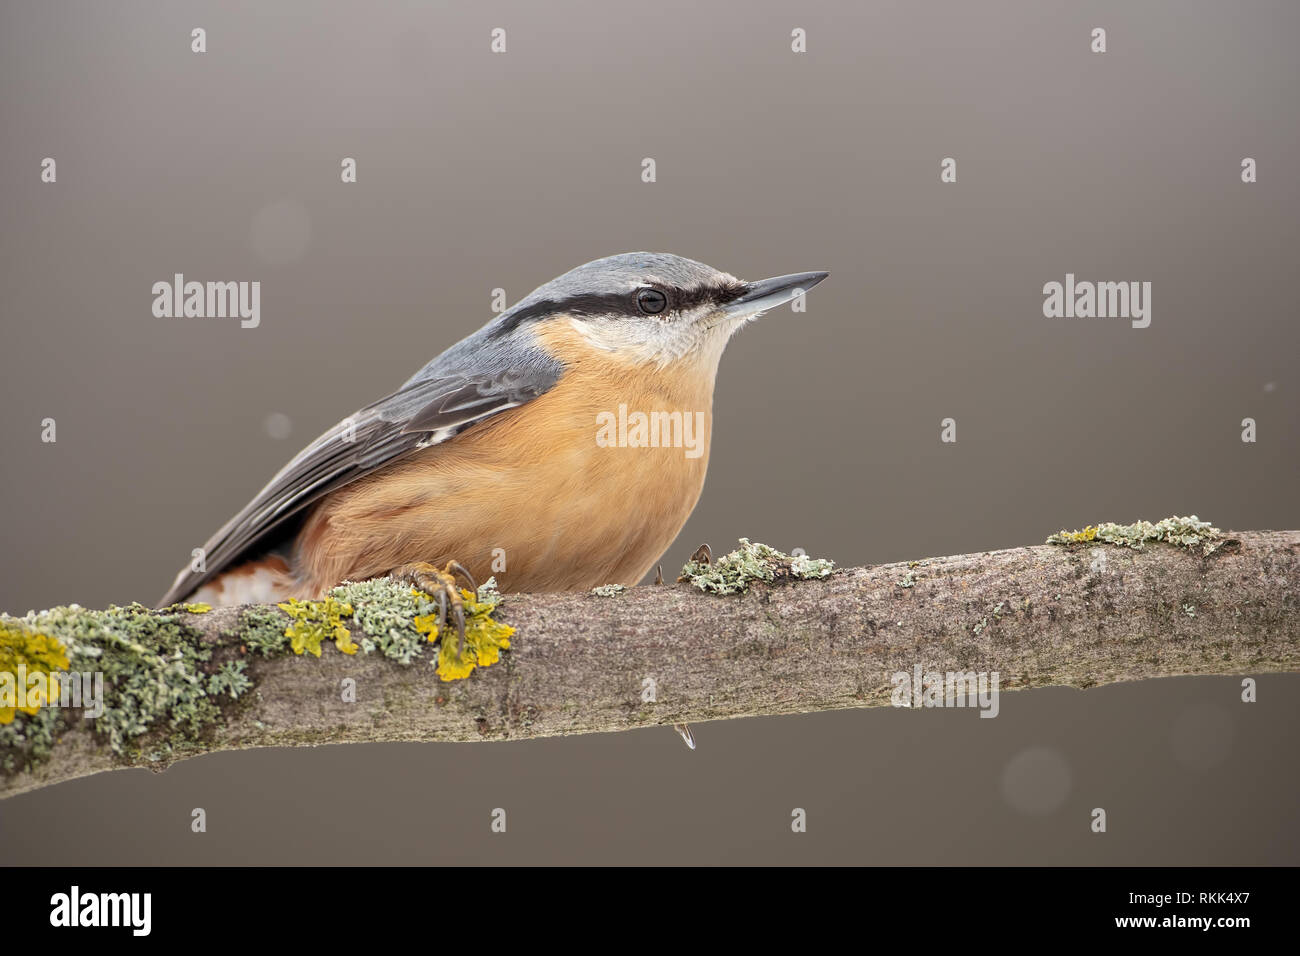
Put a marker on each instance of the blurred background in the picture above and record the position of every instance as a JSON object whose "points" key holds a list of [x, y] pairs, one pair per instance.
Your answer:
{"points": [[478, 170]]}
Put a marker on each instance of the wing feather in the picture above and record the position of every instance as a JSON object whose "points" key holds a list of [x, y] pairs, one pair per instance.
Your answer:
{"points": [[438, 403]]}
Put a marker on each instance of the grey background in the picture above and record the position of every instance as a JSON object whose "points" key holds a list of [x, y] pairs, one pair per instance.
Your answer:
{"points": [[480, 170]]}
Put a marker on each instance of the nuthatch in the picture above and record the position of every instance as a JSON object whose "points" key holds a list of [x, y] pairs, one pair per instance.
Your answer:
{"points": [[490, 459]]}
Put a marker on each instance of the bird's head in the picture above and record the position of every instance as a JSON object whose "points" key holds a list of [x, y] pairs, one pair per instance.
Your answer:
{"points": [[653, 307]]}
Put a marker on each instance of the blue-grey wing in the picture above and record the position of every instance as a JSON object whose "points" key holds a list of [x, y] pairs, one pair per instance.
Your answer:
{"points": [[452, 393]]}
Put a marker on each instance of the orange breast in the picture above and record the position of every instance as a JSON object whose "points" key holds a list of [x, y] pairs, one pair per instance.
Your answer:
{"points": [[547, 496]]}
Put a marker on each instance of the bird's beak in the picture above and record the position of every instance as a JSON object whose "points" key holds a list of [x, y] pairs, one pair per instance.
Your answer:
{"points": [[769, 293]]}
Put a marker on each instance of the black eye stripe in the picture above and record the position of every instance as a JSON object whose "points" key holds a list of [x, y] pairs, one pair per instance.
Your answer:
{"points": [[613, 303], [684, 300]]}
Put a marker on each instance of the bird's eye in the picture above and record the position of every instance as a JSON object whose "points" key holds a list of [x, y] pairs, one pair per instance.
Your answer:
{"points": [[651, 301]]}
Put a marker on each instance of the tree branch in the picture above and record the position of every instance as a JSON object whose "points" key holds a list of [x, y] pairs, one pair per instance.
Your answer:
{"points": [[578, 663]]}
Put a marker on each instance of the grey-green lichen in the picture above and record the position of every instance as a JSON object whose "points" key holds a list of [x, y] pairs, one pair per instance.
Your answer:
{"points": [[385, 611], [30, 738], [1189, 532], [231, 678], [608, 590], [164, 682], [155, 678], [262, 630], [735, 571]]}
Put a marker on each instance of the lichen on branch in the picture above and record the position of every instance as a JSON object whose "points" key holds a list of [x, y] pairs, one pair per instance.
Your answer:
{"points": [[752, 562], [166, 681], [1190, 532]]}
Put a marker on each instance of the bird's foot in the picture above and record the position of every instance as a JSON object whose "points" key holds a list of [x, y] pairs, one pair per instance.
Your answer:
{"points": [[442, 587], [480, 638]]}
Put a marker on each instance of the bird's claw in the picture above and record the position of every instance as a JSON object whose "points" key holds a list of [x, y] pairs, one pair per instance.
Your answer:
{"points": [[459, 614], [455, 567], [441, 586]]}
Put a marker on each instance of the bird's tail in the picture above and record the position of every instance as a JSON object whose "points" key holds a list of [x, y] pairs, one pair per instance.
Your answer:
{"points": [[266, 580]]}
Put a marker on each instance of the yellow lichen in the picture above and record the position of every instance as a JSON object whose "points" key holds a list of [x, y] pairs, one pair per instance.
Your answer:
{"points": [[1074, 537], [198, 608], [317, 621], [27, 661], [485, 638]]}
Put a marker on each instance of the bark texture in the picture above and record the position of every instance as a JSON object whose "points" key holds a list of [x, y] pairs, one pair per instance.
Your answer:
{"points": [[1039, 616]]}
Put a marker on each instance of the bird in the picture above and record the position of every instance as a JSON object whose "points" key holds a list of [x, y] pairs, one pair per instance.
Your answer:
{"points": [[490, 458]]}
